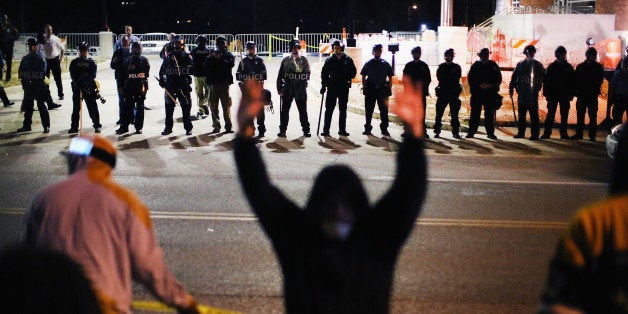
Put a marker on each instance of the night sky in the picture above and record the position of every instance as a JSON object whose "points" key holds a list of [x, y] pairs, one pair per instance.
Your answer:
{"points": [[238, 16]]}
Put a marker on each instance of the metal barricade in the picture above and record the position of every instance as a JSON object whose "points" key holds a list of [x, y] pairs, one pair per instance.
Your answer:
{"points": [[313, 40], [267, 44], [73, 39]]}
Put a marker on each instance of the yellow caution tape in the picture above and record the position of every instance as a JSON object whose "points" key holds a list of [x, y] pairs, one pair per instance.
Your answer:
{"points": [[281, 39], [161, 307]]}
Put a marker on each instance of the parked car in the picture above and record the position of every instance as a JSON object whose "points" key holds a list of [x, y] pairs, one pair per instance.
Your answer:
{"points": [[152, 43], [612, 139]]}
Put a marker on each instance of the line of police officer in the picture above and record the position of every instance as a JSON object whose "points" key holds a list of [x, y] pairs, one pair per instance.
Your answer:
{"points": [[212, 68]]}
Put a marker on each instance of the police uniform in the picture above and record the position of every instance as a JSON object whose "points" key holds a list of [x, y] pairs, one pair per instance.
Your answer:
{"points": [[218, 70], [558, 89], [618, 94], [8, 36], [448, 92], [32, 71], [336, 76], [294, 73], [3, 95], [483, 73], [253, 68], [136, 70], [83, 74], [201, 86], [175, 77], [376, 89], [527, 79], [117, 64], [589, 79]]}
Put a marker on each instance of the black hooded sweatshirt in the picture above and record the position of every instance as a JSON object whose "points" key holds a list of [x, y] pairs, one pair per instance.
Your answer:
{"points": [[322, 275]]}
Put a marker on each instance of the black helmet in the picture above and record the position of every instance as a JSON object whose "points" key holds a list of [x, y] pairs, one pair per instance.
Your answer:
{"points": [[560, 50], [337, 43], [82, 46], [484, 51], [221, 39], [178, 42], [41, 39], [201, 40], [250, 45], [136, 48], [31, 42], [295, 42], [529, 49], [591, 52]]}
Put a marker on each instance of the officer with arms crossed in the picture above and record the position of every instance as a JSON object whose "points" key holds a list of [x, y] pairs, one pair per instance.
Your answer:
{"points": [[294, 73], [32, 72], [83, 74], [175, 77], [336, 76], [252, 69]]}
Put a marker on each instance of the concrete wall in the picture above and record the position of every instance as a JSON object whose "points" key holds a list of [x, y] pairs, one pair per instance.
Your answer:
{"points": [[552, 30]]}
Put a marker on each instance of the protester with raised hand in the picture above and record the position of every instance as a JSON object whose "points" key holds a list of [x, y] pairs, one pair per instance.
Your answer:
{"points": [[337, 254]]}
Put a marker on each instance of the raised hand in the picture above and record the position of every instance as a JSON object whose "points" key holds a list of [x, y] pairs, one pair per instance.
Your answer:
{"points": [[408, 106], [250, 106]]}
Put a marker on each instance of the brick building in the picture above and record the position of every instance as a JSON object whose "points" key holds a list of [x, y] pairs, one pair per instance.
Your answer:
{"points": [[617, 7]]}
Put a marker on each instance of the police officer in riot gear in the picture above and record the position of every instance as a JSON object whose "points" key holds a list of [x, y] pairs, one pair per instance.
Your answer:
{"points": [[448, 92], [117, 62], [83, 73], [589, 79], [527, 79], [558, 90], [377, 79], [418, 71], [336, 76], [199, 56], [3, 95], [32, 72], [218, 68], [484, 79], [294, 73], [175, 77], [252, 68], [136, 73]]}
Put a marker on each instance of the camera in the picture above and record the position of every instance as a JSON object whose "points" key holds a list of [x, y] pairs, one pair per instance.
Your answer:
{"points": [[393, 47]]}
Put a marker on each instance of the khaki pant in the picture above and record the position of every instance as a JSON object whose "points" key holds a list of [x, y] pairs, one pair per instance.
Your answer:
{"points": [[202, 93], [220, 92]]}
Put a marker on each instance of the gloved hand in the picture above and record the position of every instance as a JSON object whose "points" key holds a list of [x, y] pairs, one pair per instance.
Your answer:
{"points": [[323, 90], [162, 82]]}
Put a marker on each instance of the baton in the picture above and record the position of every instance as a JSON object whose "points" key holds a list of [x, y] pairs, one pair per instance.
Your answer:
{"points": [[168, 93], [514, 113], [320, 112]]}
